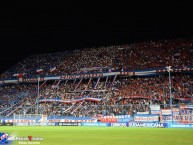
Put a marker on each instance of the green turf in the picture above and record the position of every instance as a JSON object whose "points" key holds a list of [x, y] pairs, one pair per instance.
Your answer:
{"points": [[104, 135]]}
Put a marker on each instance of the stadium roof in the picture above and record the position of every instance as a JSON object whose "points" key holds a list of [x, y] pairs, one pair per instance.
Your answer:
{"points": [[30, 31]]}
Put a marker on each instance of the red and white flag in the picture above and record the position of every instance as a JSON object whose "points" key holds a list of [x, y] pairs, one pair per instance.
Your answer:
{"points": [[39, 70]]}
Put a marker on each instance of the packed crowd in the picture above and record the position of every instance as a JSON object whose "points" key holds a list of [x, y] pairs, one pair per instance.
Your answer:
{"points": [[137, 56], [28, 67], [14, 97], [121, 96]]}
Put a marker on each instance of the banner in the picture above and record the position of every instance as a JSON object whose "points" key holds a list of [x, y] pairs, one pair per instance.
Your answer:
{"points": [[71, 101], [121, 120], [190, 106], [166, 111], [120, 116], [118, 124], [186, 111], [142, 112], [154, 107], [180, 125], [183, 106], [117, 118], [142, 124], [81, 76], [95, 124], [108, 120], [72, 120], [155, 111], [146, 72], [68, 124], [175, 111], [31, 80], [20, 120], [146, 118], [34, 124], [166, 118], [186, 118]]}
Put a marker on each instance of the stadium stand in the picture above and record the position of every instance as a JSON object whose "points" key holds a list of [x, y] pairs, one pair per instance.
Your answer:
{"points": [[106, 95]]}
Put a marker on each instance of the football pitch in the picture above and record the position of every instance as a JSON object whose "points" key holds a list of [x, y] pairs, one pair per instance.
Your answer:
{"points": [[60, 135]]}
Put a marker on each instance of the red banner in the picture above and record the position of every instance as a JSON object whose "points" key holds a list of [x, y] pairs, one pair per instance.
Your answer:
{"points": [[111, 120]]}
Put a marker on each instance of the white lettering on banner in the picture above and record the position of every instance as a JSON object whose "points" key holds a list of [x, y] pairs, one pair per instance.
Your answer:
{"points": [[82, 76], [118, 125], [159, 125], [146, 118]]}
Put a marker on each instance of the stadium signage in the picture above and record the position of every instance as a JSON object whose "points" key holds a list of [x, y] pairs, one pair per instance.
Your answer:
{"points": [[108, 120], [183, 106], [155, 107], [35, 124], [95, 124], [118, 125], [121, 120], [175, 111], [166, 111], [155, 111], [31, 80], [68, 124], [96, 75], [72, 120], [180, 125], [157, 125], [187, 111], [68, 77], [146, 118], [167, 118], [142, 112], [190, 106]]}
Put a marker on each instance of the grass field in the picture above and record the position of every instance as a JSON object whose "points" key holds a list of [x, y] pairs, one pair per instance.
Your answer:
{"points": [[104, 135]]}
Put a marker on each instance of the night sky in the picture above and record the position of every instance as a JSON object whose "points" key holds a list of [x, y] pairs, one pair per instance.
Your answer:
{"points": [[25, 32]]}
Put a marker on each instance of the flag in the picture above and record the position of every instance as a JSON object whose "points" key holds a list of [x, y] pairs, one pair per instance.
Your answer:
{"points": [[52, 69], [15, 75], [39, 70], [19, 75]]}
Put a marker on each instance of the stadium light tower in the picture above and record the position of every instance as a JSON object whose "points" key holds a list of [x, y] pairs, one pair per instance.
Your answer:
{"points": [[170, 87]]}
